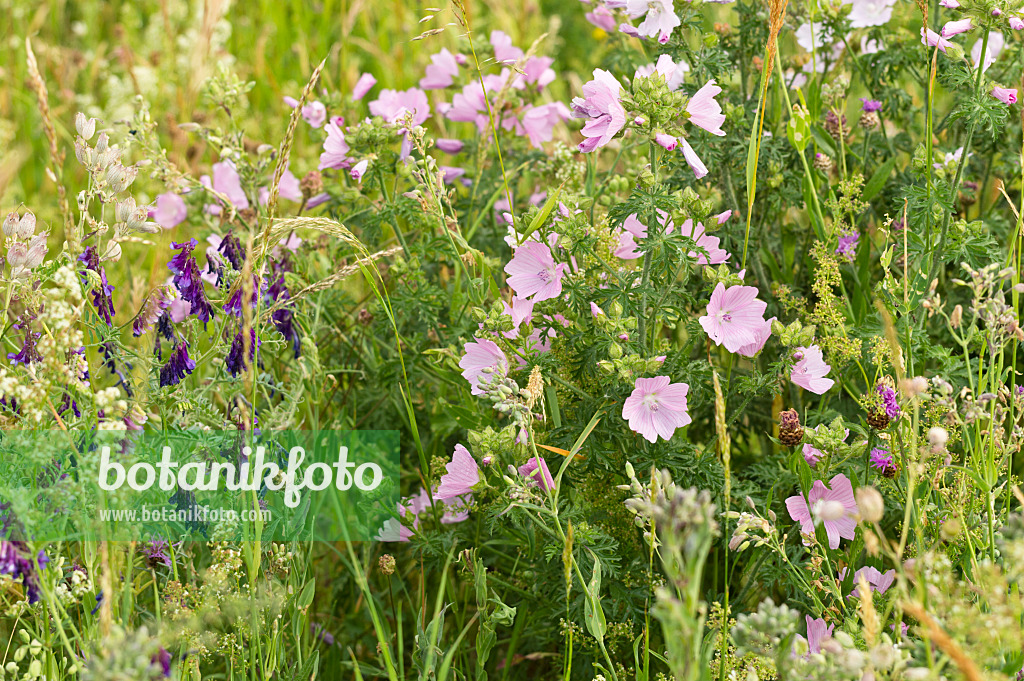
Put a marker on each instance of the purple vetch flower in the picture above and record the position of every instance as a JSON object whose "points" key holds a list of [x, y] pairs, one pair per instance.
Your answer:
{"points": [[231, 248], [179, 365], [234, 305], [111, 356], [847, 247], [236, 361], [163, 659], [321, 634], [102, 295], [16, 561], [889, 401], [189, 281], [28, 353], [284, 318], [157, 302]]}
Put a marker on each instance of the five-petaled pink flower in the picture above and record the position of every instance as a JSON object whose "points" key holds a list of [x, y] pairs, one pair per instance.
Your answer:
{"points": [[656, 407], [877, 581], [810, 371], [933, 39], [837, 524], [463, 473], [335, 154], [735, 317], [482, 360], [817, 633], [713, 253], [170, 210], [659, 18], [1005, 95], [705, 111], [952, 28], [532, 271], [441, 72], [601, 104]]}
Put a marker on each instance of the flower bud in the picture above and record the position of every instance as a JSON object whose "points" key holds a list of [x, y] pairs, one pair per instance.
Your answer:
{"points": [[86, 127], [938, 437], [870, 504], [11, 223], [17, 254], [26, 226], [36, 251], [125, 210]]}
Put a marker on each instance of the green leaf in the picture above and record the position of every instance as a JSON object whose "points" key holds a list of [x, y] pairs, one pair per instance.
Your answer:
{"points": [[306, 597], [540, 218], [877, 181], [593, 611]]}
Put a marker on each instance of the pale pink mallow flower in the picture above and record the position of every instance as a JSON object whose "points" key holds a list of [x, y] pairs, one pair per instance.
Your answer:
{"points": [[395, 105], [817, 633], [668, 142], [1016, 23], [715, 255], [335, 153], [363, 85], [536, 471], [595, 310], [482, 359], [533, 272], [1005, 95], [359, 169], [933, 39], [877, 581], [441, 72], [763, 334], [521, 310], [470, 106], [865, 13], [696, 165], [672, 72], [537, 71], [659, 18], [170, 210], [462, 474], [735, 317], [810, 371], [996, 42], [602, 18], [704, 111], [949, 4], [633, 229], [952, 28], [538, 123], [656, 407], [449, 146], [226, 181], [834, 506], [504, 51], [601, 104]]}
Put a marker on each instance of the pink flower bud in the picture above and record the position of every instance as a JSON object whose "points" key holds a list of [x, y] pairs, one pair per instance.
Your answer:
{"points": [[667, 141]]}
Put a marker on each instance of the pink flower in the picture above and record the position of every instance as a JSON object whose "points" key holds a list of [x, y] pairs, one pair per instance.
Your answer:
{"points": [[393, 105], [667, 141], [289, 188], [809, 373], [953, 28], [462, 474], [602, 18], [532, 271], [536, 470], [672, 73], [449, 146], [877, 581], [363, 85], [358, 170], [470, 105], [656, 407], [867, 13], [996, 43], [504, 51], [933, 39], [521, 310], [949, 4], [227, 182], [170, 210], [735, 317], [763, 334], [1005, 95], [595, 310], [441, 72], [537, 71], [451, 173], [710, 244], [538, 122], [840, 491], [335, 148], [315, 114], [1016, 23], [602, 106], [634, 229], [696, 165], [817, 633], [482, 360], [704, 111], [659, 18]]}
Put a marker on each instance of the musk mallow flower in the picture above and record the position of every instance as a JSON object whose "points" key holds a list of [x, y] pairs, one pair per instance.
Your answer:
{"points": [[536, 471], [696, 165], [602, 18], [949, 4], [735, 317], [842, 524], [659, 18], [656, 407], [933, 39], [449, 146], [996, 42], [763, 334], [704, 111], [315, 113], [600, 104], [335, 154], [533, 272], [463, 473], [537, 123], [865, 13], [810, 371], [1016, 23], [226, 181], [363, 85], [169, 211], [672, 72], [1007, 96], [441, 72], [482, 359], [818, 631], [713, 254], [504, 51], [877, 581], [952, 28], [393, 105]]}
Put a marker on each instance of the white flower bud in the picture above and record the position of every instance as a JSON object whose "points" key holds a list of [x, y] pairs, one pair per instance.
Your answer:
{"points": [[86, 127]]}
